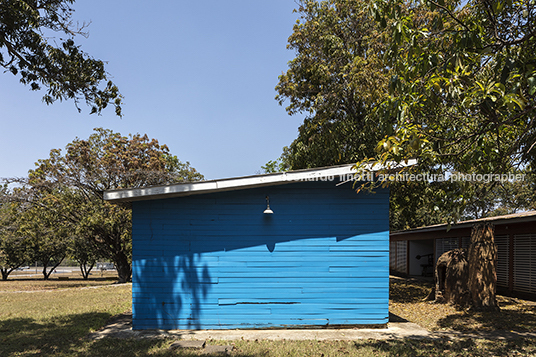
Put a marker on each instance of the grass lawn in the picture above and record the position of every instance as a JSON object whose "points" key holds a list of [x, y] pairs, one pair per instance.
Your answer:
{"points": [[40, 318], [29, 281]]}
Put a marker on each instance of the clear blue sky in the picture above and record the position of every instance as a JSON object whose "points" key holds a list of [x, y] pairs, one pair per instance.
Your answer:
{"points": [[198, 76]]}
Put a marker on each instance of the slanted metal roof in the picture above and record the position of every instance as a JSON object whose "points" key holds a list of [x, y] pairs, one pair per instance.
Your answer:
{"points": [[342, 172], [509, 218]]}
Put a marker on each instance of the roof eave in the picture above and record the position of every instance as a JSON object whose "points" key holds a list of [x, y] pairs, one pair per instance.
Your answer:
{"points": [[344, 172], [496, 220]]}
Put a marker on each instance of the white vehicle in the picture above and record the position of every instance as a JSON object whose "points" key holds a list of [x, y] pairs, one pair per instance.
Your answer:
{"points": [[105, 266]]}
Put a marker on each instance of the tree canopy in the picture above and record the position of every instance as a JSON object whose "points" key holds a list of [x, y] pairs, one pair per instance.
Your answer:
{"points": [[462, 91], [30, 50], [43, 226], [450, 84], [336, 78], [13, 247], [74, 182]]}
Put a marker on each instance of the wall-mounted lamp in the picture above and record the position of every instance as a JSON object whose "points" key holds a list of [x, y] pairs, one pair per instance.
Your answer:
{"points": [[268, 210]]}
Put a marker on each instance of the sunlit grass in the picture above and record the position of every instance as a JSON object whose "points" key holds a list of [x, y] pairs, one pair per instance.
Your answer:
{"points": [[29, 280], [57, 322]]}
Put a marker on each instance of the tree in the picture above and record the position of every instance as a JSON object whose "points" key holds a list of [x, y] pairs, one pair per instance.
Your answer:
{"points": [[462, 95], [28, 51], [482, 262], [337, 77], [418, 204], [280, 164], [42, 224], [82, 250], [500, 198], [344, 57], [13, 247], [106, 161]]}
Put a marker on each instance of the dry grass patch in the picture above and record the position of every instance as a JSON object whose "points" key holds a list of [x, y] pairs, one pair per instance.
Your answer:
{"points": [[406, 302]]}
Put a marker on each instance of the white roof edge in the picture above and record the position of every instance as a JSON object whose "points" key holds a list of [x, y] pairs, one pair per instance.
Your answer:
{"points": [[342, 172]]}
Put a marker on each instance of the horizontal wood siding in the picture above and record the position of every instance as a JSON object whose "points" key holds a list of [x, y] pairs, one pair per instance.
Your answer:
{"points": [[216, 261]]}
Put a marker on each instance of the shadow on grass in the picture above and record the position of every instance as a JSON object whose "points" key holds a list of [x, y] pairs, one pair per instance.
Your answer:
{"points": [[135, 347], [412, 348], [521, 319], [465, 347], [24, 336], [67, 336], [362, 348]]}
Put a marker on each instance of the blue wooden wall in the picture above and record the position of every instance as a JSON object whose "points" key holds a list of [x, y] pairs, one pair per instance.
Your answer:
{"points": [[216, 261]]}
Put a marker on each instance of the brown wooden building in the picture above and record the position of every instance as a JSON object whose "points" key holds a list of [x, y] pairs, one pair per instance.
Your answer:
{"points": [[515, 237]]}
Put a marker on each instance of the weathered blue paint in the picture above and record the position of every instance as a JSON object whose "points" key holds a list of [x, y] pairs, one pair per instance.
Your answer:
{"points": [[216, 261]]}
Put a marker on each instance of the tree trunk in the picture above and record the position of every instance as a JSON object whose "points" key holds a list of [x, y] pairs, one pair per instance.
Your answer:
{"points": [[46, 274], [5, 273], [468, 278], [86, 270], [123, 266], [482, 260], [451, 278]]}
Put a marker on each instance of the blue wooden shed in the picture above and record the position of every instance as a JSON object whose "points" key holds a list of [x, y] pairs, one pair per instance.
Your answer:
{"points": [[208, 255]]}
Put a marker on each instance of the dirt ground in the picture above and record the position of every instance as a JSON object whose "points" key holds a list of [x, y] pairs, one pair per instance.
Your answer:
{"points": [[406, 303]]}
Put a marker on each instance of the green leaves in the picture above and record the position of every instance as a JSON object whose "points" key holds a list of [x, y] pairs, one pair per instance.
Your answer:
{"points": [[462, 87], [13, 247], [531, 81], [513, 102], [63, 70], [408, 143], [463, 78]]}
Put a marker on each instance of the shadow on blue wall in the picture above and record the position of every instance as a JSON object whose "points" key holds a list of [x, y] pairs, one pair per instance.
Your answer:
{"points": [[177, 302], [197, 283]]}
